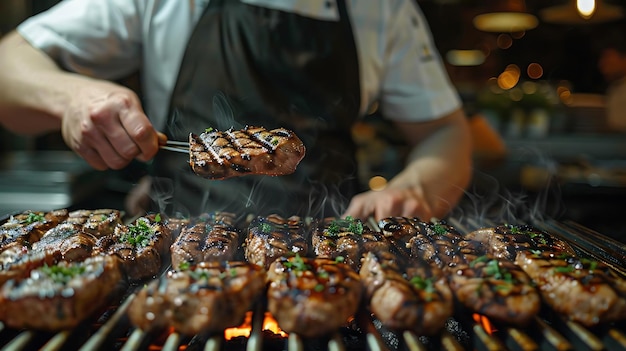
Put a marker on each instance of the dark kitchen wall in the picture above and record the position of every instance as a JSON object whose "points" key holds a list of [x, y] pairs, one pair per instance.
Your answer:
{"points": [[566, 52]]}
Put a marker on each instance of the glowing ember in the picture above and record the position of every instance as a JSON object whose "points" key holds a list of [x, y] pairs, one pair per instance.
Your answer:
{"points": [[485, 323], [269, 324]]}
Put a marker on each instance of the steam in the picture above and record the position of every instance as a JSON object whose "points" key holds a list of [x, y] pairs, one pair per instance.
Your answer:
{"points": [[488, 201]]}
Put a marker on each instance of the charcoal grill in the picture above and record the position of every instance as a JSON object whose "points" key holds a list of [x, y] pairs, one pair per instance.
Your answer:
{"points": [[111, 330]]}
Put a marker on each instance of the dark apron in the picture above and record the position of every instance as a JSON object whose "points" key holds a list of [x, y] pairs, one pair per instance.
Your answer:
{"points": [[250, 65]]}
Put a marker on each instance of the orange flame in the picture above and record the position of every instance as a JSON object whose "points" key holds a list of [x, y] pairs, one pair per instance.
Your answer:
{"points": [[269, 323], [485, 323]]}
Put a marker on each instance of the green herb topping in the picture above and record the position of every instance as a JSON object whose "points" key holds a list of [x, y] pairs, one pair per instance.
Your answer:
{"points": [[62, 274], [34, 217], [564, 269], [478, 260], [439, 229], [425, 284], [209, 130], [265, 228], [351, 224], [297, 264], [184, 266], [138, 234]]}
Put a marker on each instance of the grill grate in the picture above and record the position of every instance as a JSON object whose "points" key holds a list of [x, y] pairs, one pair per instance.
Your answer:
{"points": [[548, 331]]}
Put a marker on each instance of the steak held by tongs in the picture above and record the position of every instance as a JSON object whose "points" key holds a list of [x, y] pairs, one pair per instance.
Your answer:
{"points": [[218, 154]]}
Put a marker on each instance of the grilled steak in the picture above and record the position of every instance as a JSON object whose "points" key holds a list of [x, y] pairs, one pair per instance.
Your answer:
{"points": [[412, 297], [98, 222], [22, 230], [346, 239], [207, 297], [495, 288], [272, 237], [253, 150], [59, 296], [583, 290], [312, 297], [212, 237], [437, 243], [141, 246], [505, 241]]}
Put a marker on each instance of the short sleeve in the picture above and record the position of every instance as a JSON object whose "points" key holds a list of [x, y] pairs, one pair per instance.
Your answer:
{"points": [[415, 84], [97, 38]]}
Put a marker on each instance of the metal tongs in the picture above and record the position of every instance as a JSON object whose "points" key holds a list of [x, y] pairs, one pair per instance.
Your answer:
{"points": [[176, 146]]}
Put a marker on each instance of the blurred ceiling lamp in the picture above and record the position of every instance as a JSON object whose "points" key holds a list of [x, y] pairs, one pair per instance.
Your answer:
{"points": [[465, 57], [506, 16], [582, 12]]}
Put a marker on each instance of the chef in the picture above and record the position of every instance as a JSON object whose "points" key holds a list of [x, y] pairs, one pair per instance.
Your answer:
{"points": [[311, 66]]}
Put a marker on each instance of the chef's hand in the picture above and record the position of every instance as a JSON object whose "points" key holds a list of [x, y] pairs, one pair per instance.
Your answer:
{"points": [[105, 124], [405, 202]]}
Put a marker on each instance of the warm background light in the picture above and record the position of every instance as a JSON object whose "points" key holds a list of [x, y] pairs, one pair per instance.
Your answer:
{"points": [[586, 8]]}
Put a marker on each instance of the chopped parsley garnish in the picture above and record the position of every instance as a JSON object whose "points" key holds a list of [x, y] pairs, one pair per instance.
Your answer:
{"points": [[339, 259], [265, 228], [62, 274], [184, 266], [478, 260], [423, 284], [493, 269], [513, 228], [439, 229], [319, 288], [352, 225], [200, 274], [274, 141], [208, 130], [564, 269], [138, 234], [34, 217], [296, 264], [157, 218]]}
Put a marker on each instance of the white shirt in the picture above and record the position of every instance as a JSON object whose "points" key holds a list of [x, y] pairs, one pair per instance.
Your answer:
{"points": [[110, 39]]}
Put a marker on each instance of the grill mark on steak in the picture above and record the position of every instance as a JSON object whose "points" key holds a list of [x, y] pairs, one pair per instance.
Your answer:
{"points": [[346, 239], [213, 237], [28, 227], [441, 244], [59, 296], [207, 297], [505, 241], [312, 297], [495, 288], [274, 236], [406, 295], [98, 222], [582, 290], [253, 150], [69, 240], [141, 246]]}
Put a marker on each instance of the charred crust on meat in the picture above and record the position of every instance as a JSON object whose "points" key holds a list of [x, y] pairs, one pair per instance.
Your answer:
{"points": [[252, 150]]}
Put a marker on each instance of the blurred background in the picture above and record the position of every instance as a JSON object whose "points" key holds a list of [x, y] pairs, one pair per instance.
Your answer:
{"points": [[532, 90]]}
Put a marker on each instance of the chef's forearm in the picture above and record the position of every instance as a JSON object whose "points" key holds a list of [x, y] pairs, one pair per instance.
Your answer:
{"points": [[34, 90], [439, 167]]}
